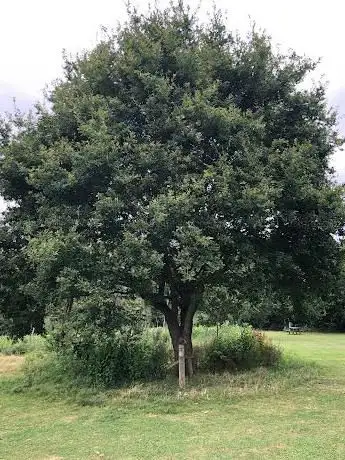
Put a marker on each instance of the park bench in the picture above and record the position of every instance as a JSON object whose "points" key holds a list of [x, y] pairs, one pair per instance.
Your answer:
{"points": [[294, 329]]}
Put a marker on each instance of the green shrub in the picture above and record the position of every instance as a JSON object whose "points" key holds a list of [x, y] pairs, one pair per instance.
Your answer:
{"points": [[237, 348], [6, 344], [153, 353], [116, 358], [31, 343], [28, 344]]}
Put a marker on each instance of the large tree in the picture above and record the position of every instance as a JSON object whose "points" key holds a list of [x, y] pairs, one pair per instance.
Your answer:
{"points": [[175, 156]]}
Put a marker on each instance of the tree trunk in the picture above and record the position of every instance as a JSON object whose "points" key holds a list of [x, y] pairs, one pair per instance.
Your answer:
{"points": [[189, 356], [174, 331], [179, 313], [180, 325], [181, 366]]}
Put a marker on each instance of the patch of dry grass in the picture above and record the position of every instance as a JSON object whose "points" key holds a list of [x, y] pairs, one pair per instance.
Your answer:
{"points": [[10, 364]]}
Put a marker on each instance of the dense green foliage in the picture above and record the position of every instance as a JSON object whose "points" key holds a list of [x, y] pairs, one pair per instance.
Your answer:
{"points": [[236, 349], [20, 313], [175, 158], [265, 311], [114, 358], [330, 311]]}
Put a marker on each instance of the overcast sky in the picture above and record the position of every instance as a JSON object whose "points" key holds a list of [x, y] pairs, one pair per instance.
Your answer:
{"points": [[34, 32]]}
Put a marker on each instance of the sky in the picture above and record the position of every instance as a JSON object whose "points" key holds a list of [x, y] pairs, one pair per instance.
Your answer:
{"points": [[33, 34]]}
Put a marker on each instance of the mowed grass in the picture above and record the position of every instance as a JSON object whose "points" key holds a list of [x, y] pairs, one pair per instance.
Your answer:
{"points": [[294, 412]]}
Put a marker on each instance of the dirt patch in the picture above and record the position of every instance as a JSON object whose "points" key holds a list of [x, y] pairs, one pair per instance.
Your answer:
{"points": [[10, 364], [264, 451], [70, 418], [53, 457]]}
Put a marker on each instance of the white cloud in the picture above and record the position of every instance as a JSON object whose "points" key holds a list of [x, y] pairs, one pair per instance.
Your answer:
{"points": [[10, 98], [338, 163], [32, 34]]}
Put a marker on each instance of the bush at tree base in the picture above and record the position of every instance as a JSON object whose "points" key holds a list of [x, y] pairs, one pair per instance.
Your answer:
{"points": [[123, 356], [116, 358], [238, 348]]}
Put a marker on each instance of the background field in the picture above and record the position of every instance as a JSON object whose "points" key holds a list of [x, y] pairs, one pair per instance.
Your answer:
{"points": [[294, 412]]}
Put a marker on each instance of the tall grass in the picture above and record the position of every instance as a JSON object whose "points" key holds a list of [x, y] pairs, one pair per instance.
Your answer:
{"points": [[28, 344]]}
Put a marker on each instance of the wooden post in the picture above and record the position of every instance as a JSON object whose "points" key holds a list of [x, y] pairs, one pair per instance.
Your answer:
{"points": [[181, 365]]}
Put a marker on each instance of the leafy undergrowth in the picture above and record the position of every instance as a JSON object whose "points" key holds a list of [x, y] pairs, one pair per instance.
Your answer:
{"points": [[124, 358]]}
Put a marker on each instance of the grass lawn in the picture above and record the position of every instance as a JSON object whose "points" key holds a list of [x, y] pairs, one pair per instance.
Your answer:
{"points": [[296, 412]]}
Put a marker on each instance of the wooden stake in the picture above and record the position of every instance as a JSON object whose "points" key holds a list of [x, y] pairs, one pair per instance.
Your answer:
{"points": [[181, 366]]}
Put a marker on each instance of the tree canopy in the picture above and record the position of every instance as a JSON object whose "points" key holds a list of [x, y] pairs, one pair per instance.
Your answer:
{"points": [[172, 157]]}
